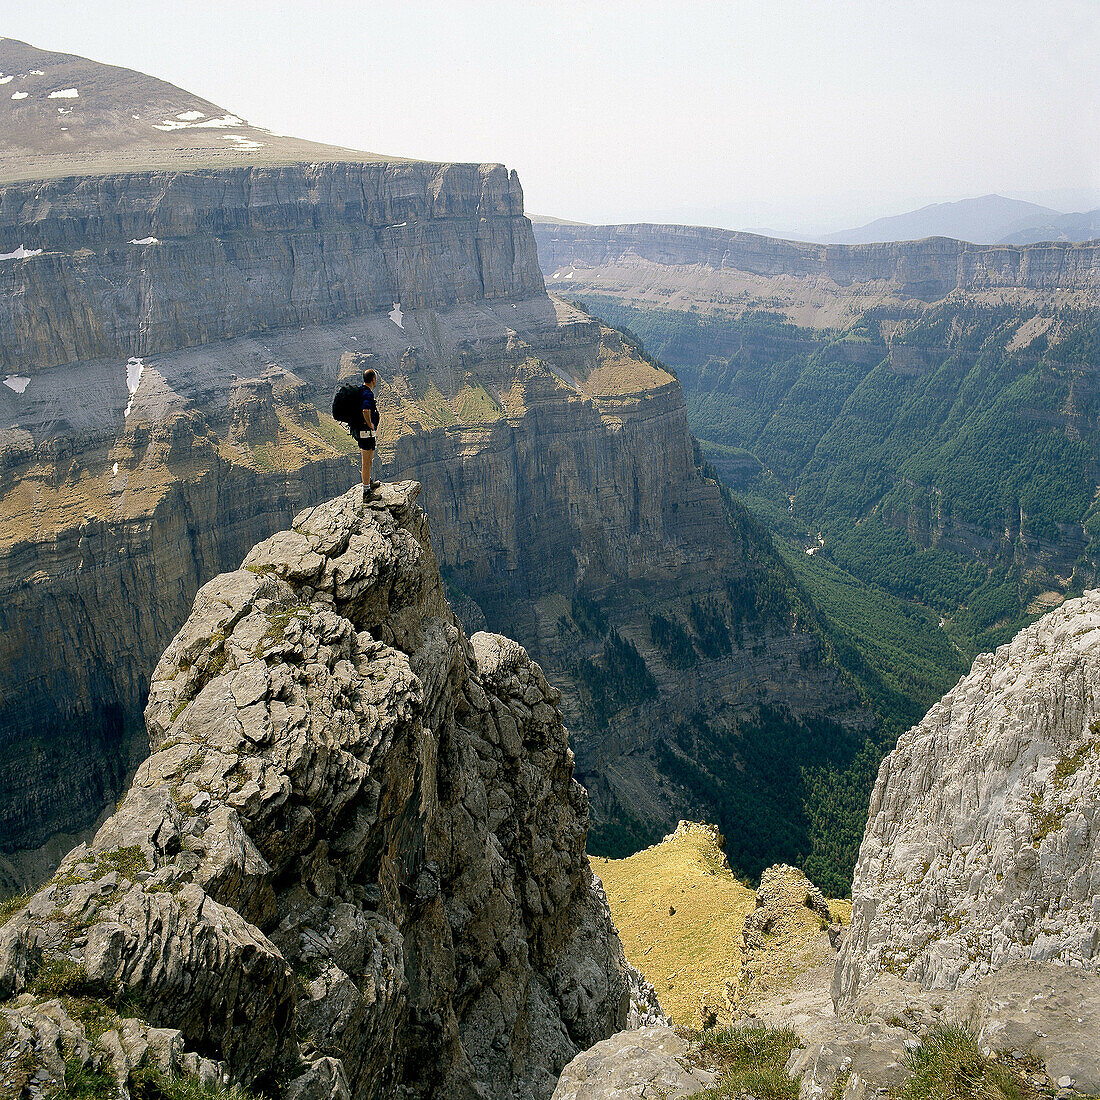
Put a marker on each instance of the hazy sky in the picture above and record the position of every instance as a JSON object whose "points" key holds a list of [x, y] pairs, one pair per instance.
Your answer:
{"points": [[790, 114]]}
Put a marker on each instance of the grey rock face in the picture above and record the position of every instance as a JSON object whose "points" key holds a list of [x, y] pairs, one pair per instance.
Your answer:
{"points": [[633, 1065], [982, 844], [927, 269], [354, 862], [424, 235]]}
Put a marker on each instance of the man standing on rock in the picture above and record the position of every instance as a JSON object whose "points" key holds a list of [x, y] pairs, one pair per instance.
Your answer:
{"points": [[364, 432]]}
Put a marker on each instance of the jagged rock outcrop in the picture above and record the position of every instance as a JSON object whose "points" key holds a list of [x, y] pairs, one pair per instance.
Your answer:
{"points": [[982, 844], [784, 945], [354, 862]]}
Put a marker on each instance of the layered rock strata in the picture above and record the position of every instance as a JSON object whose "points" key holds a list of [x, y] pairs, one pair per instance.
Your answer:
{"points": [[354, 862], [717, 263]]}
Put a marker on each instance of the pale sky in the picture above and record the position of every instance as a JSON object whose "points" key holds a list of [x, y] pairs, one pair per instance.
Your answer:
{"points": [[788, 114]]}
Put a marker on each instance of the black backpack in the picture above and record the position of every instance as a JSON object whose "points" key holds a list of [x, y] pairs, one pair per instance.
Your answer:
{"points": [[347, 404]]}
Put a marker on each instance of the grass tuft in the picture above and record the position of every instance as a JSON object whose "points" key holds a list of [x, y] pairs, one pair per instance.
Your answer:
{"points": [[148, 1083], [948, 1065], [749, 1060], [83, 1083], [10, 906], [61, 977]]}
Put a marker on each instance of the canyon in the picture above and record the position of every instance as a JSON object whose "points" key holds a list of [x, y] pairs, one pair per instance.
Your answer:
{"points": [[173, 337], [916, 421]]}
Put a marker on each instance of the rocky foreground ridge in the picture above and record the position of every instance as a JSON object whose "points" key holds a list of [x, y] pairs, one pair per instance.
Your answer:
{"points": [[974, 901], [353, 865]]}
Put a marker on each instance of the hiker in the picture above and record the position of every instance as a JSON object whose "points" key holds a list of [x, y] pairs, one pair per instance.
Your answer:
{"points": [[364, 430]]}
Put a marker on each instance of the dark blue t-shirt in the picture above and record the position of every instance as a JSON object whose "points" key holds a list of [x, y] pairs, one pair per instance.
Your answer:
{"points": [[369, 406]]}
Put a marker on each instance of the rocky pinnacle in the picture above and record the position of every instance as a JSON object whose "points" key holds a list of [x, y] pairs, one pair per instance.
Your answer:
{"points": [[353, 864]]}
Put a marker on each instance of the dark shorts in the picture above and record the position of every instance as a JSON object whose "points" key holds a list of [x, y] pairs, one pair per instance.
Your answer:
{"points": [[364, 437]]}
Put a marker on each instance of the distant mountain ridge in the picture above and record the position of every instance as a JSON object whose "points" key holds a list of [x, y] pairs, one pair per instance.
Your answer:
{"points": [[984, 220], [65, 115]]}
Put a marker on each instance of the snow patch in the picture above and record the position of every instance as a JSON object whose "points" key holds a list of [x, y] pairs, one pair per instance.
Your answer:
{"points": [[570, 275], [16, 382], [114, 469], [21, 253], [557, 275], [396, 316], [243, 142], [146, 240], [20, 95], [65, 93], [64, 110], [34, 72], [6, 79], [222, 123], [135, 368], [397, 225], [191, 116], [136, 118]]}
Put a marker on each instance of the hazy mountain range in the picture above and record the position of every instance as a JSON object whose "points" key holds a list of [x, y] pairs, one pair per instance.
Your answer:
{"points": [[990, 219]]}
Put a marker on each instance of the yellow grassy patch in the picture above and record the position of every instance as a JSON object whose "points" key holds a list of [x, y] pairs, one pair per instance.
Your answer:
{"points": [[695, 950]]}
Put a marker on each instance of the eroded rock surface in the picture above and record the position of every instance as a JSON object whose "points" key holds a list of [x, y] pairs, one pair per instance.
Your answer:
{"points": [[982, 844], [634, 1065], [354, 862]]}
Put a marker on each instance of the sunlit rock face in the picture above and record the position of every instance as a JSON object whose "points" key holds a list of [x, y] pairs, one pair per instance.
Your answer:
{"points": [[355, 857]]}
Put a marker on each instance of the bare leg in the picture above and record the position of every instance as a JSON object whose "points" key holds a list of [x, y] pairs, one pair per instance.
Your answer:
{"points": [[368, 458]]}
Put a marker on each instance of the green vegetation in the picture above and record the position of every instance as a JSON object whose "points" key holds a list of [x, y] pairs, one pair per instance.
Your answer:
{"points": [[127, 861], [147, 1083], [10, 906], [84, 1083], [949, 1066], [60, 977], [809, 779], [673, 640], [616, 679], [749, 1060], [943, 479], [938, 466]]}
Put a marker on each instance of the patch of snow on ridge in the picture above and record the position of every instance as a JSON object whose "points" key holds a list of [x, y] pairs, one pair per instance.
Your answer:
{"points": [[243, 142], [20, 95], [33, 72], [114, 469], [6, 79], [222, 123], [146, 240], [65, 93], [191, 116], [396, 316], [16, 382], [135, 368], [21, 253]]}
